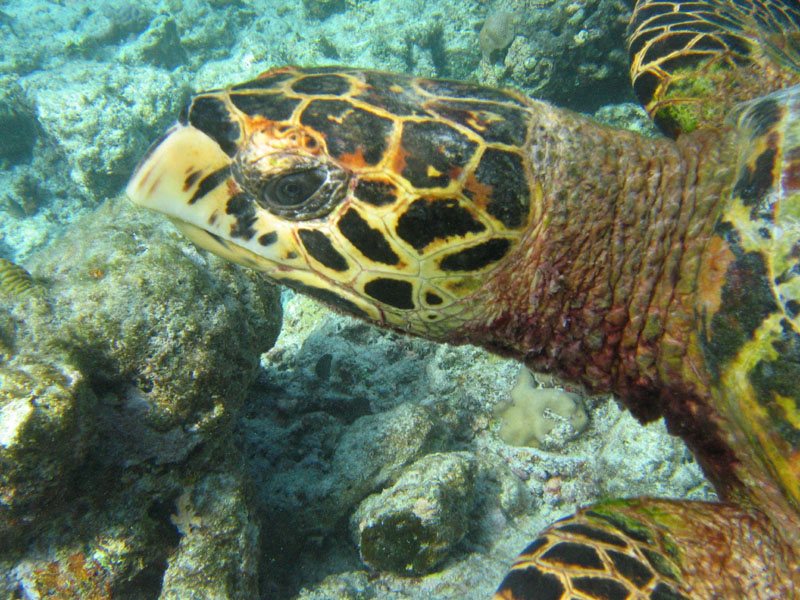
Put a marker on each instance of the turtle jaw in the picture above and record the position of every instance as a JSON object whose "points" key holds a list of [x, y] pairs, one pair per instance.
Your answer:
{"points": [[186, 176]]}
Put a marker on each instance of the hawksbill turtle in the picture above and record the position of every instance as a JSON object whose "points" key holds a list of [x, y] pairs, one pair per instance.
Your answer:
{"points": [[664, 270]]}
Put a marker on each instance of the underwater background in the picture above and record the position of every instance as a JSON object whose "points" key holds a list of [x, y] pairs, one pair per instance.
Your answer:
{"points": [[173, 426]]}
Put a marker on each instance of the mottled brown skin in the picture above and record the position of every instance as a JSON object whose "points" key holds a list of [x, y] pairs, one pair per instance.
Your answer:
{"points": [[618, 319]]}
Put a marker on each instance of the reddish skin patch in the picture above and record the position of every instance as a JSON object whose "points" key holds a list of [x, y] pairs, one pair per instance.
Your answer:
{"points": [[480, 192], [608, 293], [232, 186], [399, 163], [354, 160], [712, 276]]}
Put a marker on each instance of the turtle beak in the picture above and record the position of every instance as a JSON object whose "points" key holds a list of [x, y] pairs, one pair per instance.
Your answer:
{"points": [[178, 169], [186, 176]]}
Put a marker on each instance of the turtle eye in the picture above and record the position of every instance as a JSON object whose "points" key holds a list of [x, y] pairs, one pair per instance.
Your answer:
{"points": [[304, 192], [293, 189]]}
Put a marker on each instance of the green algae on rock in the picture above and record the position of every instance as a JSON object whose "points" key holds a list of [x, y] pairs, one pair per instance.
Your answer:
{"points": [[140, 310], [410, 527]]}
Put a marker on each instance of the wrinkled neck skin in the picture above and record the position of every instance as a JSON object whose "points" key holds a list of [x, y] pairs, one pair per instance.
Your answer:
{"points": [[602, 290], [592, 293]]}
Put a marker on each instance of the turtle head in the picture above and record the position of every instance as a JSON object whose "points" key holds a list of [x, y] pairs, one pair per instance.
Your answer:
{"points": [[362, 189]]}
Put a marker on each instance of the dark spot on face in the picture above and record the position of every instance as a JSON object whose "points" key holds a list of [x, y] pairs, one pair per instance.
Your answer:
{"points": [[326, 296], [433, 299], [393, 292], [265, 82], [664, 592], [509, 199], [321, 249], [190, 179], [464, 90], [370, 242], [238, 205], [531, 584], [428, 220], [209, 183], [630, 568], [433, 144], [600, 588], [493, 122], [210, 115], [243, 228], [572, 554], [268, 238], [747, 300], [377, 193], [476, 257], [348, 130], [241, 207], [333, 85], [594, 534], [640, 535], [754, 183], [275, 107], [793, 308]]}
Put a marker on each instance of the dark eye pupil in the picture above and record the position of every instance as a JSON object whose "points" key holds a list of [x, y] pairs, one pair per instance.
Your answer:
{"points": [[294, 188]]}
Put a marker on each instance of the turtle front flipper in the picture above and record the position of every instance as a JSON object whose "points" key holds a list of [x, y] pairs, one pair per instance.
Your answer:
{"points": [[691, 62], [650, 549], [749, 306]]}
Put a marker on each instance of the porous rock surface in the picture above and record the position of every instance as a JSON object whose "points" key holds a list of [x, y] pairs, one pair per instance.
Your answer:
{"points": [[121, 378], [411, 527]]}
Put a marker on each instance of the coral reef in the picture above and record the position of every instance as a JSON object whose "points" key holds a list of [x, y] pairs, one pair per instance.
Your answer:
{"points": [[116, 397], [46, 426], [18, 125], [497, 33], [533, 413]]}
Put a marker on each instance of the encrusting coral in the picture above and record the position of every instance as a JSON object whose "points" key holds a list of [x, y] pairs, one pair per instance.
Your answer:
{"points": [[534, 412]]}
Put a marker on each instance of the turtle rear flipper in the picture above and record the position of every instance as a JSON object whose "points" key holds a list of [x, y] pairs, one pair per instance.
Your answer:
{"points": [[648, 549], [691, 66]]}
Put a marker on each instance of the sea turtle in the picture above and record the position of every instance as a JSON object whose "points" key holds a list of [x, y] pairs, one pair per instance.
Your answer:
{"points": [[664, 270]]}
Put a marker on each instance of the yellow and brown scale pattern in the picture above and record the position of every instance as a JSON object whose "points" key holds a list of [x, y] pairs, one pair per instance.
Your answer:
{"points": [[749, 315], [649, 549], [436, 183], [692, 62]]}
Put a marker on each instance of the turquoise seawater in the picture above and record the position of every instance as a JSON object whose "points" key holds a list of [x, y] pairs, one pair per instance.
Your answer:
{"points": [[156, 441]]}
